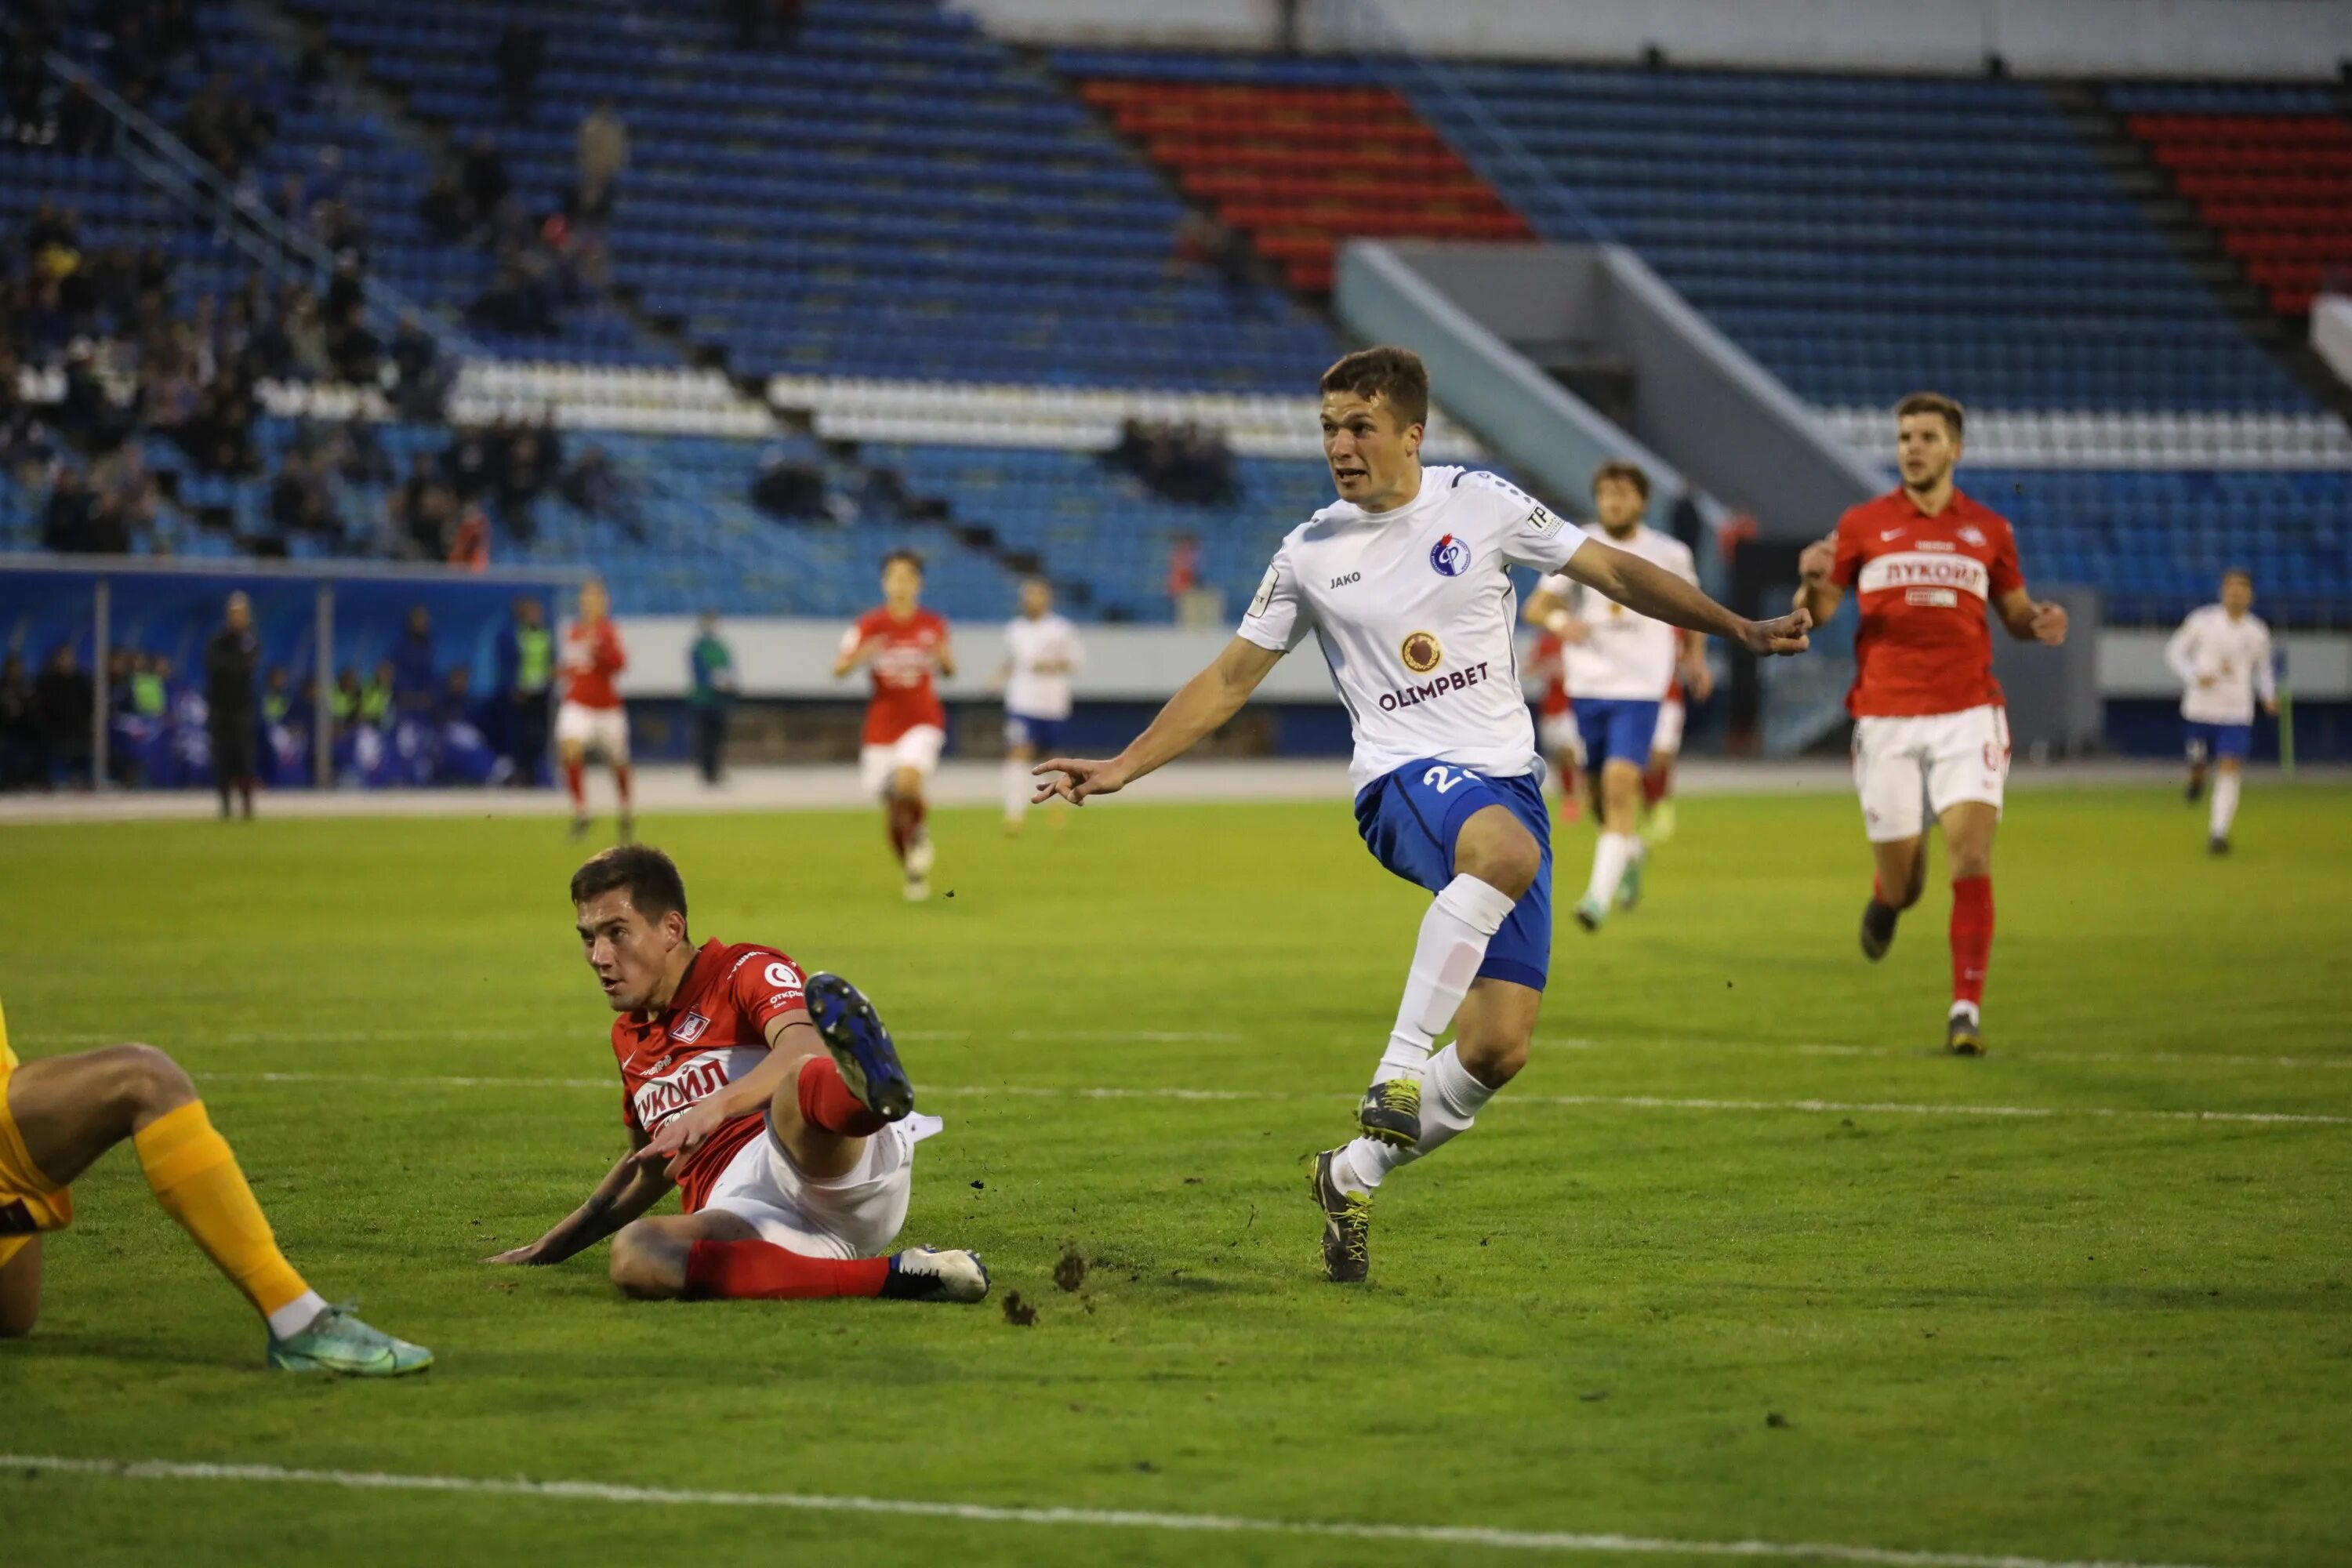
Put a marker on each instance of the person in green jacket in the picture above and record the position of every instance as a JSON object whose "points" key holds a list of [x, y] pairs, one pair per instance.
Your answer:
{"points": [[710, 666]]}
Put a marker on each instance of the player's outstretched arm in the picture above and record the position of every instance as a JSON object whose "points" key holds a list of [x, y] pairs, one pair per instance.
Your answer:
{"points": [[1206, 702], [2030, 619], [1653, 590], [629, 1190]]}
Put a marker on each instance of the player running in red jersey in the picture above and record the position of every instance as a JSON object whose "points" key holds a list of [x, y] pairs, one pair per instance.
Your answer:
{"points": [[1556, 722], [779, 1105], [906, 647], [591, 716], [1925, 561]]}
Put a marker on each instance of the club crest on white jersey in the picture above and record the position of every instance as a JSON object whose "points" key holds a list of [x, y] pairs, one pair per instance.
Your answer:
{"points": [[1415, 611]]}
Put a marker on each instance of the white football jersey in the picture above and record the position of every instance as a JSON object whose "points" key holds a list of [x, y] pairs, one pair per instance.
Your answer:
{"points": [[2235, 656], [1415, 614], [1032, 692], [1624, 656]]}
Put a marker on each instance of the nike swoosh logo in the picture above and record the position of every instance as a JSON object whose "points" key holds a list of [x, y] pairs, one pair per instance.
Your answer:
{"points": [[1889, 533]]}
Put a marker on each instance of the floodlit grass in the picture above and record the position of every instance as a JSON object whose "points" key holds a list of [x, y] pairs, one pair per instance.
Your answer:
{"points": [[1774, 1300]]}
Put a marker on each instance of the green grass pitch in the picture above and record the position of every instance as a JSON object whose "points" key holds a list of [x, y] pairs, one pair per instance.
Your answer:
{"points": [[1713, 1269]]}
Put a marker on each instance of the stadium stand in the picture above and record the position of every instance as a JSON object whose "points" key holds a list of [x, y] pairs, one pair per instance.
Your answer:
{"points": [[2269, 167]]}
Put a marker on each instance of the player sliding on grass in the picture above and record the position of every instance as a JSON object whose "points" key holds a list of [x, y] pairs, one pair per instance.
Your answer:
{"points": [[59, 1114], [1924, 561], [1403, 582], [796, 1163]]}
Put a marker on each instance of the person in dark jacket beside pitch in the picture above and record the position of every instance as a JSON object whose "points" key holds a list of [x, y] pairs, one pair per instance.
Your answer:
{"points": [[229, 662]]}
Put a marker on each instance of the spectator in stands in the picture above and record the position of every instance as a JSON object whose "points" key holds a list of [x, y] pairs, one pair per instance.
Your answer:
{"points": [[66, 520], [208, 126], [422, 514], [1183, 566], [359, 454], [526, 677], [1203, 241], [421, 385], [305, 341], [518, 484], [445, 211], [69, 704], [24, 745], [469, 547], [302, 500], [218, 438], [229, 706], [519, 53], [602, 153], [469, 466], [788, 488], [483, 177], [1684, 520], [598, 489]]}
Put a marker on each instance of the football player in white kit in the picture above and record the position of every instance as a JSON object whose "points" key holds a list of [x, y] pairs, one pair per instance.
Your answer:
{"points": [[1621, 666], [2223, 655], [1403, 580], [1041, 654]]}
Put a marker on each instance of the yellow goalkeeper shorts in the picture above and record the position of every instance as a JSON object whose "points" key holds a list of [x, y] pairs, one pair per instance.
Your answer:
{"points": [[29, 1201]]}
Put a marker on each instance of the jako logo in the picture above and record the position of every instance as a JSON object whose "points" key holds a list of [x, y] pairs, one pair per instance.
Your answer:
{"points": [[1449, 557], [1351, 577]]}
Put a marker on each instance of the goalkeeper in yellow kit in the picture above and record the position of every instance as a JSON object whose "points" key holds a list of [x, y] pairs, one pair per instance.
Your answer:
{"points": [[59, 1114]]}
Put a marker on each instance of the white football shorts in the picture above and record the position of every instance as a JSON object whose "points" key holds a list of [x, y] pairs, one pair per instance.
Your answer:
{"points": [[1940, 759], [852, 1215], [604, 729], [918, 749]]}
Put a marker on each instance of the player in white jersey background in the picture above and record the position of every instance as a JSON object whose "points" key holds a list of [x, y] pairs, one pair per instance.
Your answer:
{"points": [[1621, 666], [2223, 655], [1404, 582], [1041, 654]]}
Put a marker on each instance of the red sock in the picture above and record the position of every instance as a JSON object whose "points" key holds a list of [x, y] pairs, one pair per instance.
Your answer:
{"points": [[575, 779], [763, 1272], [621, 782], [828, 1104], [1656, 780], [1971, 937]]}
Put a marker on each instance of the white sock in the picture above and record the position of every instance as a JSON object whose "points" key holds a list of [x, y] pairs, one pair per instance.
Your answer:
{"points": [[295, 1316], [2225, 802], [1609, 861], [1965, 1010], [1450, 1101], [1017, 789], [1465, 913]]}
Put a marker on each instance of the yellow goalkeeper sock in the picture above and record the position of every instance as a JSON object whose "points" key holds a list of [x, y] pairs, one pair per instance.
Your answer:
{"points": [[196, 1177]]}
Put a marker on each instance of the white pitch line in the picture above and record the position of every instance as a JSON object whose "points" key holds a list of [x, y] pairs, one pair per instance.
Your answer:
{"points": [[1622, 1101], [2007, 1059], [1083, 1517]]}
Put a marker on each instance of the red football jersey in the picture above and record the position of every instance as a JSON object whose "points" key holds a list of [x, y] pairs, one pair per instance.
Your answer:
{"points": [[713, 1032], [904, 693], [592, 657], [1922, 585], [1551, 658]]}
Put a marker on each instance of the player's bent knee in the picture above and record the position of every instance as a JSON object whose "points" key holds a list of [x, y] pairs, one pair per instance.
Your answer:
{"points": [[644, 1268], [145, 1080], [1493, 1062], [1503, 854]]}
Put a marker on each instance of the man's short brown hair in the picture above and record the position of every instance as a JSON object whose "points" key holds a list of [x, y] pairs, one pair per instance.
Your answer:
{"points": [[1933, 403], [1394, 375], [911, 557], [650, 877], [1619, 469]]}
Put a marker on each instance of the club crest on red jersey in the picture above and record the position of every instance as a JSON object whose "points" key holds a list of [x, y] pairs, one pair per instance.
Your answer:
{"points": [[688, 1030]]}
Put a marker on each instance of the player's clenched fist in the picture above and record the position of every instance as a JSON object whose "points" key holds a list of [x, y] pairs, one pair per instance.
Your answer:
{"points": [[1783, 635]]}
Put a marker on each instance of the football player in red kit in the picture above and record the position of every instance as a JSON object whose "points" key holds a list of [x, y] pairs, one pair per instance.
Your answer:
{"points": [[591, 716], [1924, 561], [777, 1104], [905, 647]]}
